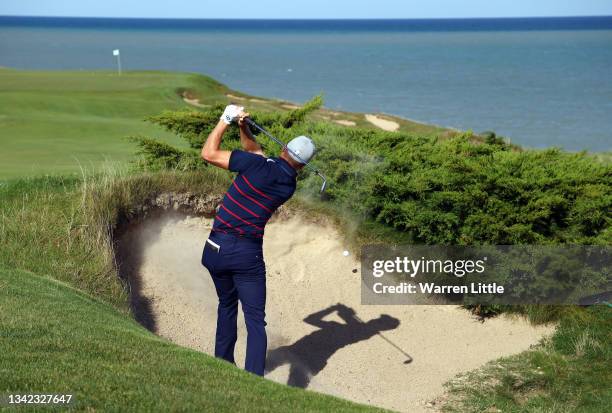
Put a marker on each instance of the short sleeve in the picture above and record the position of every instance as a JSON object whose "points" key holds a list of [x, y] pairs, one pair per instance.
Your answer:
{"points": [[241, 161]]}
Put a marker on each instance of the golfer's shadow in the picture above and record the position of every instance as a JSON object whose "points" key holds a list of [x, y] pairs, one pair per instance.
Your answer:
{"points": [[309, 355]]}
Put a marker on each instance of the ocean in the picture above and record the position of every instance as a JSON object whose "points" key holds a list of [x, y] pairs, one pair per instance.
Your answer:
{"points": [[539, 82]]}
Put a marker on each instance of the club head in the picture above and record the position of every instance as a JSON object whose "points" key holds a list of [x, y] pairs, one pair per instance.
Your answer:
{"points": [[324, 184]]}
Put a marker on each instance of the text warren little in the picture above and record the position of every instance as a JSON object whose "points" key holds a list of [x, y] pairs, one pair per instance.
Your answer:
{"points": [[431, 288]]}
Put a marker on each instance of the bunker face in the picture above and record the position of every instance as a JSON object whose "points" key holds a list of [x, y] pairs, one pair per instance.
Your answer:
{"points": [[316, 340]]}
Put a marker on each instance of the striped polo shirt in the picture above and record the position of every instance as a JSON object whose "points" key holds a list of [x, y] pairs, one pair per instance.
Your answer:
{"points": [[261, 186]]}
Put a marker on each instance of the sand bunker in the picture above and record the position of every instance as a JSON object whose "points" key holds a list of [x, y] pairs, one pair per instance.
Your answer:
{"points": [[290, 106], [194, 102], [345, 122], [384, 124], [234, 97], [315, 341]]}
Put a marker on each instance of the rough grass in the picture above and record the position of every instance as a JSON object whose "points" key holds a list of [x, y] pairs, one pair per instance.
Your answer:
{"points": [[570, 372], [56, 339], [63, 227]]}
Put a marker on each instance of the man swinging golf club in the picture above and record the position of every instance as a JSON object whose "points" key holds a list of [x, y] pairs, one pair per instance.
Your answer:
{"points": [[233, 252]]}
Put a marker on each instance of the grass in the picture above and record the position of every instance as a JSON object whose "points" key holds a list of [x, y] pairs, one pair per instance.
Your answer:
{"points": [[63, 227], [56, 339], [56, 122], [569, 372]]}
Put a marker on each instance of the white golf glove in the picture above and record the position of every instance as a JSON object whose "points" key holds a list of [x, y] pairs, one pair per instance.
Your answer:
{"points": [[230, 114]]}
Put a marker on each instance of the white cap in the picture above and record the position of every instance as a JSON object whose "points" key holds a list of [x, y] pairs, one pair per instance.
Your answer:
{"points": [[303, 147]]}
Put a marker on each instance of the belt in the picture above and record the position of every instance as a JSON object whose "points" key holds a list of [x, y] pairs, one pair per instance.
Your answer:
{"points": [[220, 236]]}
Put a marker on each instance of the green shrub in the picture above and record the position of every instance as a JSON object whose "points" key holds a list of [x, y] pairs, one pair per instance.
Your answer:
{"points": [[194, 127], [436, 191]]}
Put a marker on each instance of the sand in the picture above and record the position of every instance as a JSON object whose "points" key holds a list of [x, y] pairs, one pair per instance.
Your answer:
{"points": [[307, 272], [191, 100], [194, 102], [290, 106], [345, 122], [384, 124], [234, 97]]}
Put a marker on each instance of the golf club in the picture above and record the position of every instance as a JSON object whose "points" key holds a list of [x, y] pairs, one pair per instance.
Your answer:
{"points": [[284, 146], [408, 356]]}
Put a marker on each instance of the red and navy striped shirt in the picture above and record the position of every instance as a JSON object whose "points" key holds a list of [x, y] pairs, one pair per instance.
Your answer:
{"points": [[261, 186]]}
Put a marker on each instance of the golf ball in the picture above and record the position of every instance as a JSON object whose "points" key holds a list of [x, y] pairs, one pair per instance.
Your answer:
{"points": [[345, 253]]}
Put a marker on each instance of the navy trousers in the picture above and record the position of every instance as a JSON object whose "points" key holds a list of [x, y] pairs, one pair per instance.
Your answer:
{"points": [[239, 274]]}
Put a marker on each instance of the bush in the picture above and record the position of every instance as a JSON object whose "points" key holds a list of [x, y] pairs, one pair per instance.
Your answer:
{"points": [[459, 191], [456, 192], [194, 126]]}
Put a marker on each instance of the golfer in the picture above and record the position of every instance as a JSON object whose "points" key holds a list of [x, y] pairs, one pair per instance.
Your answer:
{"points": [[233, 252]]}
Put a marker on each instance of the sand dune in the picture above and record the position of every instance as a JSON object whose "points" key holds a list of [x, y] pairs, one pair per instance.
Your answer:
{"points": [[308, 276]]}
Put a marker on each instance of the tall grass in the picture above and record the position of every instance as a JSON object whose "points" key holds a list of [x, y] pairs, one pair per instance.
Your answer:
{"points": [[63, 227], [569, 372]]}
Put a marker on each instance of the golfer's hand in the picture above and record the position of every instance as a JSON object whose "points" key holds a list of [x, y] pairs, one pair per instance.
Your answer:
{"points": [[230, 114], [242, 116], [346, 313]]}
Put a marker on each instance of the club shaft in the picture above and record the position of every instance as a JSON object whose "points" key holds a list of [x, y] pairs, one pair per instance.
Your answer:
{"points": [[281, 143], [409, 357], [268, 134], [284, 146]]}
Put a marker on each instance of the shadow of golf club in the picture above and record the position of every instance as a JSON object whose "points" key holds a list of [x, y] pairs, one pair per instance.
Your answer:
{"points": [[309, 355]]}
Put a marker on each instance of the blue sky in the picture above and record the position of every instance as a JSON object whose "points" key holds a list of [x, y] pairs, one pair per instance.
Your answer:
{"points": [[306, 9]]}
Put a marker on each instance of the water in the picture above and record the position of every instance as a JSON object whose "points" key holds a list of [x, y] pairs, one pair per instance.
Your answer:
{"points": [[540, 82]]}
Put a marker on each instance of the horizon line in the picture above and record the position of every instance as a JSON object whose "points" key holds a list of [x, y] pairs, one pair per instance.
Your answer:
{"points": [[310, 18]]}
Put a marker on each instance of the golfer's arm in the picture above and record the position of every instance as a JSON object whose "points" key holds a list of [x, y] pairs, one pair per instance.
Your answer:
{"points": [[248, 140], [211, 152]]}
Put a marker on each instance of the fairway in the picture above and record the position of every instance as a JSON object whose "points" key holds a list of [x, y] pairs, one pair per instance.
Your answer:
{"points": [[58, 122]]}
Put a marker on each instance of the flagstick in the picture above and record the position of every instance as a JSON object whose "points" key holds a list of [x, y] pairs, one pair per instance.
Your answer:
{"points": [[119, 64], [117, 53]]}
